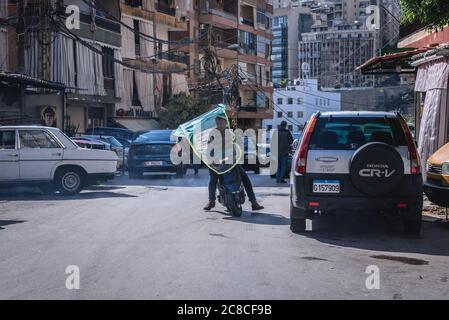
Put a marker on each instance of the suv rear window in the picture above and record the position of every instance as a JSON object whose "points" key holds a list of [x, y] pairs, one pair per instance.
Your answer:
{"points": [[153, 149], [352, 133]]}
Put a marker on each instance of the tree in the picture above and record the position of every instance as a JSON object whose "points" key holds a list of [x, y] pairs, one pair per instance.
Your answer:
{"points": [[179, 109], [433, 13]]}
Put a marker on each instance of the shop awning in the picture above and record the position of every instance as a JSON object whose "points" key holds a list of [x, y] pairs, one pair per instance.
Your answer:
{"points": [[138, 124], [23, 79], [398, 62]]}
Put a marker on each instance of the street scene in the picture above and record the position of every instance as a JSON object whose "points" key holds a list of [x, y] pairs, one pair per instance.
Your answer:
{"points": [[130, 242], [224, 150]]}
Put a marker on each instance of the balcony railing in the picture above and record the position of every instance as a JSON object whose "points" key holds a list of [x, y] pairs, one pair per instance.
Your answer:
{"points": [[246, 21], [179, 57], [219, 13]]}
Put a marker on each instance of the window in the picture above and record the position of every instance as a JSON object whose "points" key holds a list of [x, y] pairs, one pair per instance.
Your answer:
{"points": [[137, 36], [135, 97], [37, 139], [290, 114], [279, 101], [290, 101], [261, 44], [7, 140], [133, 3], [300, 114], [300, 100], [261, 16], [247, 42], [269, 127], [108, 62], [279, 114], [352, 133]]}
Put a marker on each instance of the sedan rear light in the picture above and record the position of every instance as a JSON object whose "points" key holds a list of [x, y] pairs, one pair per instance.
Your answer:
{"points": [[415, 163], [301, 162]]}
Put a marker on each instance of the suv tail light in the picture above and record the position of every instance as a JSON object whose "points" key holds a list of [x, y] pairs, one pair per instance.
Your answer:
{"points": [[301, 162], [415, 163]]}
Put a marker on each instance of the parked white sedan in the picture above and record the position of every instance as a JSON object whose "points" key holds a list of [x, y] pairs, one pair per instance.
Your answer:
{"points": [[47, 158]]}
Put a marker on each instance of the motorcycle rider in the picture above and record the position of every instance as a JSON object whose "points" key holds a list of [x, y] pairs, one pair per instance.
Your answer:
{"points": [[222, 126]]}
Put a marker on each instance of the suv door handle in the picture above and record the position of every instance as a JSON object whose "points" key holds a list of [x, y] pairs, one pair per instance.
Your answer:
{"points": [[57, 154], [15, 155], [327, 159]]}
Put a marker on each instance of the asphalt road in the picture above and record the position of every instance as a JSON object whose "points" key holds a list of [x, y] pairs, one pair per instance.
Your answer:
{"points": [[150, 239]]}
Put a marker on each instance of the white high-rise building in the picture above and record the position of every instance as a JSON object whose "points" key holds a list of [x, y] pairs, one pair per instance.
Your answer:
{"points": [[297, 102]]}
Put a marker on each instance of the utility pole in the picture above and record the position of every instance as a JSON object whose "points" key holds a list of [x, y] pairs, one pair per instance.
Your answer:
{"points": [[234, 94], [44, 40]]}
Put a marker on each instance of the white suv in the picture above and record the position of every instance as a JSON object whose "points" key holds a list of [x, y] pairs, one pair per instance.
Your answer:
{"points": [[46, 157], [356, 161]]}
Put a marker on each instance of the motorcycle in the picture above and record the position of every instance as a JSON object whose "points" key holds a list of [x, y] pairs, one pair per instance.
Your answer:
{"points": [[230, 188]]}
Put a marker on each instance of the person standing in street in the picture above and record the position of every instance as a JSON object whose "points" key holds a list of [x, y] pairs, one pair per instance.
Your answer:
{"points": [[285, 140]]}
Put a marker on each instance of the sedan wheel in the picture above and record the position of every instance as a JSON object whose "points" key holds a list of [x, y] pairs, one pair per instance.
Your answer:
{"points": [[70, 181]]}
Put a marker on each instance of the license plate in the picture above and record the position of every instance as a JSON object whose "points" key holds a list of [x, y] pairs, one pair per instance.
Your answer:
{"points": [[153, 163], [326, 186]]}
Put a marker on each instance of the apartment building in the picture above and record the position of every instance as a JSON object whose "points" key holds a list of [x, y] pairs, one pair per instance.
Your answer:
{"points": [[118, 67], [241, 34], [143, 94], [50, 69], [298, 101], [340, 40], [289, 23]]}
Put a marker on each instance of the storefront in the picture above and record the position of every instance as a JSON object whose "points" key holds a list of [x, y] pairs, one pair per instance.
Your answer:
{"points": [[26, 100], [432, 103], [431, 67]]}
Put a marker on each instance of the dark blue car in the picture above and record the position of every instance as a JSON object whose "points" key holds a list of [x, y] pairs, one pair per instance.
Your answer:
{"points": [[150, 152]]}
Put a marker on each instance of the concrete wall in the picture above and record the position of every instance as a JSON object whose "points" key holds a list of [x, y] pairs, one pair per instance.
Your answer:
{"points": [[376, 99]]}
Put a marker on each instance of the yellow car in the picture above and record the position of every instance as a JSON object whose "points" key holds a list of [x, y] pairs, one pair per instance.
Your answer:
{"points": [[437, 185]]}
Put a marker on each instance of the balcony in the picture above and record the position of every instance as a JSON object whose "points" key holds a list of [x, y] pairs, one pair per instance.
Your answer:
{"points": [[136, 12], [177, 57], [107, 30], [247, 22], [166, 15], [253, 112], [218, 17]]}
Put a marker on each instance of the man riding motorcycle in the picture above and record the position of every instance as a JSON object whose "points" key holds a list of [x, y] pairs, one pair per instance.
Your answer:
{"points": [[222, 126]]}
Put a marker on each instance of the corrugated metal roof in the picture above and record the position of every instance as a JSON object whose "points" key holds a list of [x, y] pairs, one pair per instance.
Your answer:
{"points": [[27, 80]]}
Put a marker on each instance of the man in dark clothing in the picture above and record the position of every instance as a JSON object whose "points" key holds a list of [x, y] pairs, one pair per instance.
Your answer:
{"points": [[285, 140], [222, 126]]}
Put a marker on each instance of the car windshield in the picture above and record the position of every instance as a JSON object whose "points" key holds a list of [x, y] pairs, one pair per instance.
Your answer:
{"points": [[352, 133], [156, 135], [113, 141]]}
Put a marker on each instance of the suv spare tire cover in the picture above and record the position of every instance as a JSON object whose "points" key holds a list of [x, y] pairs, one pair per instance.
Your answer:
{"points": [[376, 169]]}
